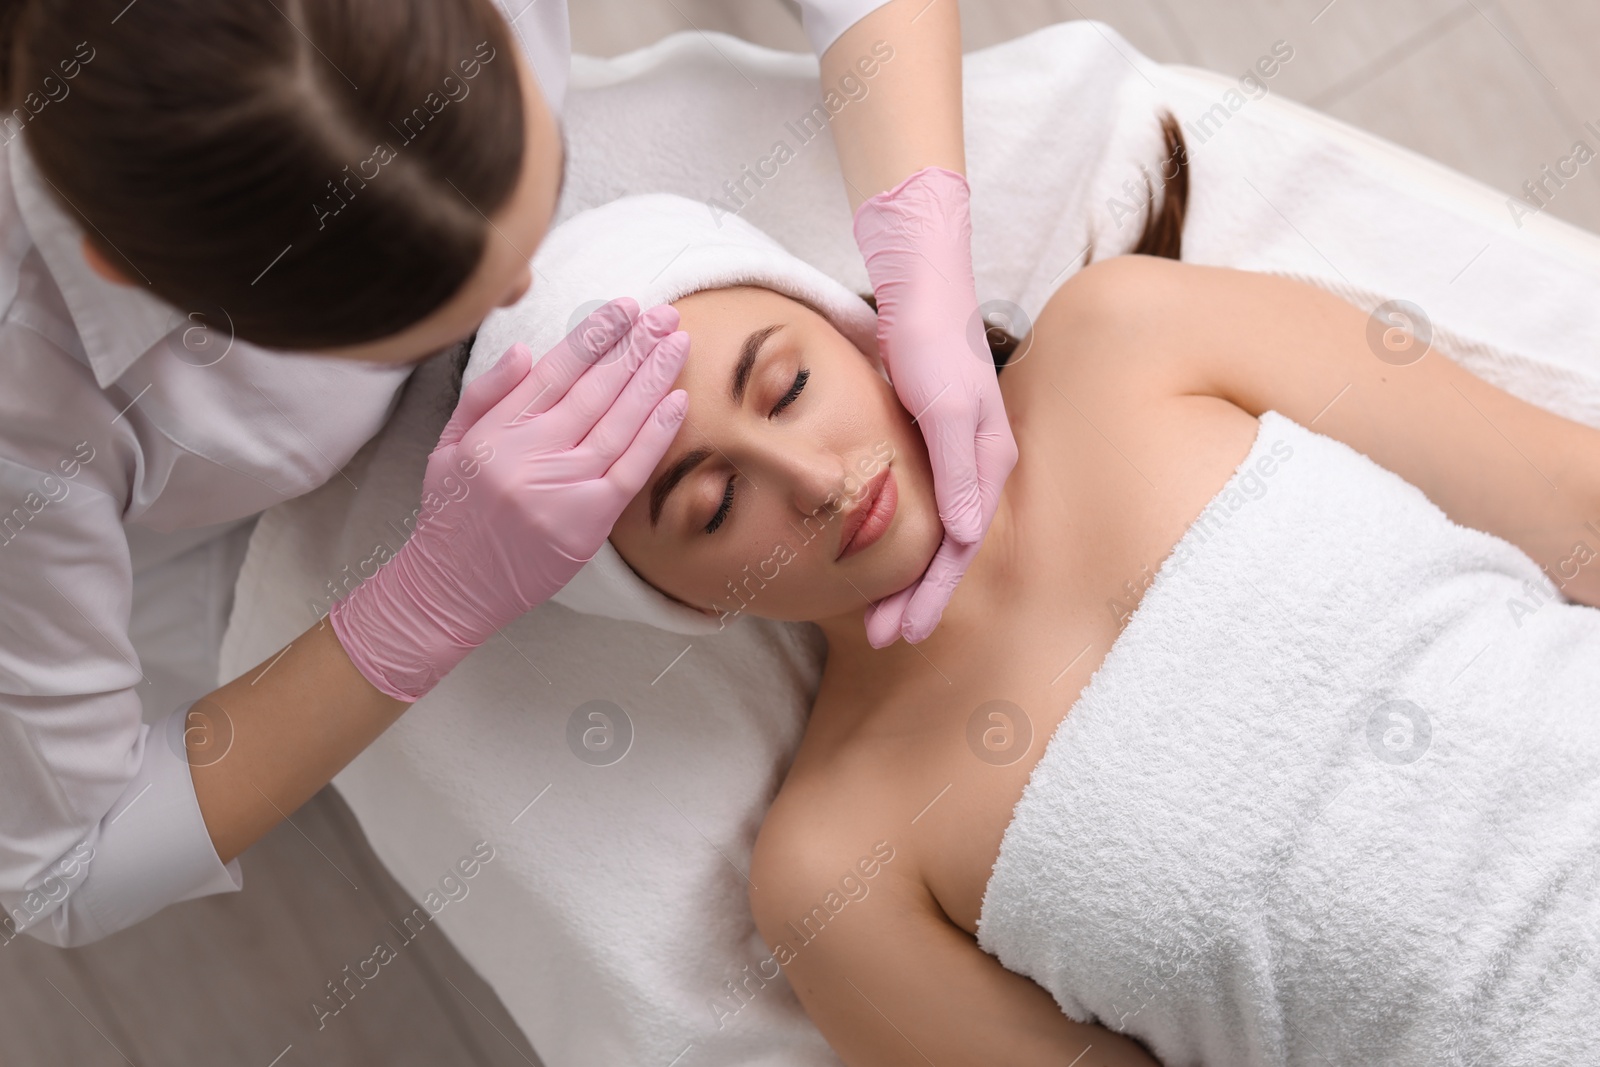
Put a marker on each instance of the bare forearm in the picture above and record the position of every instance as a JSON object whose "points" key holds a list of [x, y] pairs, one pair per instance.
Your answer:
{"points": [[910, 117], [262, 745]]}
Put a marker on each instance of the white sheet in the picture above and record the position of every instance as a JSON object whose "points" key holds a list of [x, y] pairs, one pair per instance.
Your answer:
{"points": [[614, 913]]}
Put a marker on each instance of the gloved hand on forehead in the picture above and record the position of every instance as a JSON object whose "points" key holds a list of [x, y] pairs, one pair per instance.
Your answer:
{"points": [[530, 474], [917, 242]]}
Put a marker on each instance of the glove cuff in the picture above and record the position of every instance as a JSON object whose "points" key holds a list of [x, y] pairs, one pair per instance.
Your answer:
{"points": [[933, 204], [391, 636]]}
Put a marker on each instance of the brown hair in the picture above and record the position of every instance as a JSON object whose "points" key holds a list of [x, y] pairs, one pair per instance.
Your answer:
{"points": [[311, 169], [1163, 227], [1162, 236]]}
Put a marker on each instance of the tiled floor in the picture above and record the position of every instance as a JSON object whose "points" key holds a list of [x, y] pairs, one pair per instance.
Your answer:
{"points": [[1497, 90]]}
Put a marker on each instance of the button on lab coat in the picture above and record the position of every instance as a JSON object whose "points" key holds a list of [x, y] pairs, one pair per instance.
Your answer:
{"points": [[132, 438]]}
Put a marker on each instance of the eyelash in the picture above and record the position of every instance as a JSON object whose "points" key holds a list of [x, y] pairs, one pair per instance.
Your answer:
{"points": [[794, 391], [788, 398]]}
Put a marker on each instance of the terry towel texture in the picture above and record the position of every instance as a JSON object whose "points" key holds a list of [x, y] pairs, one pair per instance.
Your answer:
{"points": [[1332, 798]]}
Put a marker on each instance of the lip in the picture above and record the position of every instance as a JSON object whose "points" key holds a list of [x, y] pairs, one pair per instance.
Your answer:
{"points": [[870, 518]]}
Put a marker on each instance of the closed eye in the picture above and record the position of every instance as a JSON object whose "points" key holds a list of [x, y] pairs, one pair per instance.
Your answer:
{"points": [[722, 512], [788, 398], [794, 391]]}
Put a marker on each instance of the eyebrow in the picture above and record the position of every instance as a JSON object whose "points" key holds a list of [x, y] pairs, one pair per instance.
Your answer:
{"points": [[749, 351], [747, 361], [671, 477]]}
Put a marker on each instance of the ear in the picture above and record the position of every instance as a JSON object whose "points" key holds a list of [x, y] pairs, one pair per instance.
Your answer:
{"points": [[102, 265]]}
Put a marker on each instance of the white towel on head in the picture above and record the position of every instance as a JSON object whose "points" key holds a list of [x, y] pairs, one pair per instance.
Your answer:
{"points": [[655, 248]]}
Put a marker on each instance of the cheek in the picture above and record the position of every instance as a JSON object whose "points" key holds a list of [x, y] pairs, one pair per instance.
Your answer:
{"points": [[856, 410], [696, 570], [886, 428], [769, 568]]}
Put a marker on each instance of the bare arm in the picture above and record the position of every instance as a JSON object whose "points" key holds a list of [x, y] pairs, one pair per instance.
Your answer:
{"points": [[910, 117], [263, 744], [1488, 459], [890, 981]]}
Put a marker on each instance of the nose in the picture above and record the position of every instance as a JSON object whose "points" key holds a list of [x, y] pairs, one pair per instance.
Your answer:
{"points": [[816, 478]]}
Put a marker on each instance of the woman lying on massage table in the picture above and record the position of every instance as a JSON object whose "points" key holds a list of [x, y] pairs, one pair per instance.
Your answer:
{"points": [[799, 489]]}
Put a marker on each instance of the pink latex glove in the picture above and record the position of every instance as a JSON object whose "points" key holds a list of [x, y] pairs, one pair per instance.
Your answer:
{"points": [[917, 241], [530, 474]]}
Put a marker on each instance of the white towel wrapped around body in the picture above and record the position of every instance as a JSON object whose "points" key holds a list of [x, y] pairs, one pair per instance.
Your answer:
{"points": [[1333, 797]]}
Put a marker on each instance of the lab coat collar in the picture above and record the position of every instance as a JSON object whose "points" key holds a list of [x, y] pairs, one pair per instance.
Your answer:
{"points": [[116, 323]]}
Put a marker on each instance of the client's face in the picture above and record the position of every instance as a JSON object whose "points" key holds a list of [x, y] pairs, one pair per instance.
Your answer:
{"points": [[798, 487]]}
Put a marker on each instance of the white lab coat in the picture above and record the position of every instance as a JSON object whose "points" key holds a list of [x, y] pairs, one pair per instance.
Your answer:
{"points": [[135, 448]]}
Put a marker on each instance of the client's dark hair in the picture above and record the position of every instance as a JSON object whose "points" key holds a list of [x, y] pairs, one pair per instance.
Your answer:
{"points": [[1162, 236], [313, 168]]}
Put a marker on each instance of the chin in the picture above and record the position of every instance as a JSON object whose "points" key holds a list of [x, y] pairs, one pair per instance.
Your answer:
{"points": [[905, 551]]}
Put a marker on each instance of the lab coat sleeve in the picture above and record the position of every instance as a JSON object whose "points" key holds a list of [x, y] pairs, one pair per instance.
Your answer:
{"points": [[825, 20], [99, 825]]}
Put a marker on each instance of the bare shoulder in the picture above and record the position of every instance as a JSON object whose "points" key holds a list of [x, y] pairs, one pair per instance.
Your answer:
{"points": [[823, 885], [835, 834], [823, 837], [876, 965], [1100, 330], [1132, 304], [1155, 328], [1119, 282], [1123, 289], [801, 865]]}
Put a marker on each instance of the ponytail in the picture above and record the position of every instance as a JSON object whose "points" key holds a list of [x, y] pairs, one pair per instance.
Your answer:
{"points": [[1163, 228]]}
